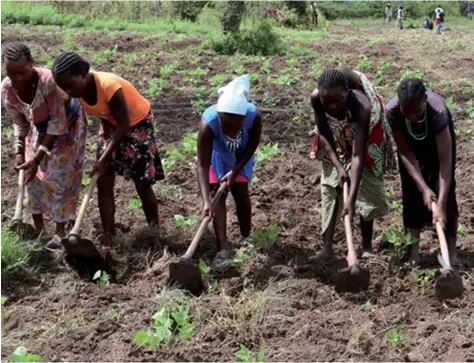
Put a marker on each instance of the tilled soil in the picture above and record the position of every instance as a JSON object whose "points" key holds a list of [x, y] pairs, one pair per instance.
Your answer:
{"points": [[270, 302]]}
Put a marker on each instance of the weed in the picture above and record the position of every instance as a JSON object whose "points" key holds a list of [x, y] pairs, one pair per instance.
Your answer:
{"points": [[239, 70], [292, 63], [388, 194], [461, 231], [16, 256], [110, 52], [286, 79], [265, 240], [446, 85], [343, 61], [451, 104], [169, 324], [92, 146], [368, 306], [168, 69], [130, 57], [156, 85], [4, 300], [245, 355], [219, 79], [86, 179], [382, 67], [265, 153], [318, 69], [21, 355], [395, 337], [365, 64], [396, 205], [375, 40], [205, 269], [90, 122], [399, 242], [135, 203], [187, 223], [240, 258], [8, 132], [102, 278], [189, 144], [410, 73], [253, 77], [266, 66], [172, 155], [198, 105], [425, 277]]}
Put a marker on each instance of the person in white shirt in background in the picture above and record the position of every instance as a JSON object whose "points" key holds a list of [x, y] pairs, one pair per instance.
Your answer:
{"points": [[439, 19], [400, 17], [388, 14]]}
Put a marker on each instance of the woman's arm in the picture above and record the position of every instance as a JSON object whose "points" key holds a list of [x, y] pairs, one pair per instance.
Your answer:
{"points": [[324, 132], [444, 144], [204, 149], [362, 115], [255, 134]]}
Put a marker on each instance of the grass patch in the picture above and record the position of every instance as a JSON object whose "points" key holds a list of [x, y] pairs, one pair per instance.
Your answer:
{"points": [[16, 258]]}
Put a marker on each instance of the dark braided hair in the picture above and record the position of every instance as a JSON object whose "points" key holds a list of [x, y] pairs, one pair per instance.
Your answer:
{"points": [[71, 64], [411, 90], [333, 78], [14, 51]]}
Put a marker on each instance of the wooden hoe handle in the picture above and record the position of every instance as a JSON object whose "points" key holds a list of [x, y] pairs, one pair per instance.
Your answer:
{"points": [[347, 221], [18, 216], [442, 239], [85, 203], [202, 227]]}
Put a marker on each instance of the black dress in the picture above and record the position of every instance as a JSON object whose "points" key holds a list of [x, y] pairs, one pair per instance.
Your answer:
{"points": [[415, 213]]}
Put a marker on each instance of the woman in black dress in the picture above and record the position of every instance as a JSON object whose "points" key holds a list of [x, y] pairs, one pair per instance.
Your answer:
{"points": [[423, 131]]}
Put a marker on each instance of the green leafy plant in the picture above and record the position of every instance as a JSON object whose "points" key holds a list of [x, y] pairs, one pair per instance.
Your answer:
{"points": [[461, 231], [135, 203], [8, 132], [396, 205], [399, 242], [410, 73], [446, 85], [365, 64], [219, 79], [286, 79], [265, 153], [318, 69], [102, 278], [4, 300], [90, 122], [240, 258], [239, 70], [205, 269], [189, 144], [86, 179], [156, 85], [168, 69], [169, 324], [21, 355], [172, 155], [451, 104], [368, 305], [266, 66], [381, 69], [245, 355], [16, 257], [187, 223], [265, 239], [395, 337], [425, 277]]}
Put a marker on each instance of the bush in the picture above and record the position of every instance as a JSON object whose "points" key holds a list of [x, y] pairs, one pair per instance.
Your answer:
{"points": [[16, 258], [188, 10], [296, 14], [259, 40]]}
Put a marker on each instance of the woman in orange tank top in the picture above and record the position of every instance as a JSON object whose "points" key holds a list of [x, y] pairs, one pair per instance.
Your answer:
{"points": [[127, 144]]}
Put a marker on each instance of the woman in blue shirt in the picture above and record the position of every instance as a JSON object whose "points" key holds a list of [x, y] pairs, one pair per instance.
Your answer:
{"points": [[229, 134]]}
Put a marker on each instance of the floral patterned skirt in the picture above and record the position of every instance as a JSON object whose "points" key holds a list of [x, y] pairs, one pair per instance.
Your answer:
{"points": [[57, 185], [137, 156]]}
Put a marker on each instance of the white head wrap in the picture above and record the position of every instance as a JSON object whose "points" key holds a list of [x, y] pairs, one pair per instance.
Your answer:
{"points": [[233, 98]]}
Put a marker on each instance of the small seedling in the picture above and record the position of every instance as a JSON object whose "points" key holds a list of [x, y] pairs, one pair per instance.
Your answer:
{"points": [[135, 203], [399, 242], [425, 277], [219, 79], [8, 132], [265, 153], [205, 269], [395, 337], [90, 122], [461, 232], [451, 104], [239, 70], [189, 144], [240, 258], [365, 64], [368, 306], [265, 240], [156, 85], [102, 278], [187, 223], [245, 355], [396, 205], [21, 355], [4, 300], [266, 66], [388, 194], [168, 69], [86, 179]]}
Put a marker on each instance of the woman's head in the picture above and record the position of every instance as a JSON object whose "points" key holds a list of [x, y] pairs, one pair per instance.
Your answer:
{"points": [[18, 62], [412, 98], [333, 90], [70, 71], [232, 105]]}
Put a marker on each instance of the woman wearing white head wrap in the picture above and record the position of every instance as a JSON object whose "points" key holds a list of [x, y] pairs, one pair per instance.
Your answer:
{"points": [[229, 134]]}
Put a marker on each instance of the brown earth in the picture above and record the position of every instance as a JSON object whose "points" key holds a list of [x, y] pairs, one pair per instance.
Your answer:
{"points": [[293, 315]]}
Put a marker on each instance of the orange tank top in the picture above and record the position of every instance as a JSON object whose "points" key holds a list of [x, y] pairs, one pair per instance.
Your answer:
{"points": [[107, 85]]}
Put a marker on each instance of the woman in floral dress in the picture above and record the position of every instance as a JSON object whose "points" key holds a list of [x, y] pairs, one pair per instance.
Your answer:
{"points": [[127, 145], [50, 131], [351, 136]]}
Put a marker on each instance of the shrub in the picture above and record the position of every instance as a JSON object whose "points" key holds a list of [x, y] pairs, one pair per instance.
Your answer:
{"points": [[16, 258]]}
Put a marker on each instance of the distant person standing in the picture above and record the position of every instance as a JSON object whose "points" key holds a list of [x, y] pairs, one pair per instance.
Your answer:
{"points": [[439, 19], [400, 17], [469, 11], [315, 12], [388, 14]]}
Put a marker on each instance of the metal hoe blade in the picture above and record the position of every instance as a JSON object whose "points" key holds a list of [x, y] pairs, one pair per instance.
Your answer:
{"points": [[187, 275], [352, 279]]}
